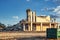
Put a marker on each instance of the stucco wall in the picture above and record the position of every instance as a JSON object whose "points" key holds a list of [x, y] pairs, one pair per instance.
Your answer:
{"points": [[41, 19]]}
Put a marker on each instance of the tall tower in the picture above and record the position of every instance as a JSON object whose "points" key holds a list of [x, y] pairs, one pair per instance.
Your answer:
{"points": [[29, 15]]}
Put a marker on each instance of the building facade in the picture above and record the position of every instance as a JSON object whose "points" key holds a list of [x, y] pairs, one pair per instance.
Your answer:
{"points": [[37, 23]]}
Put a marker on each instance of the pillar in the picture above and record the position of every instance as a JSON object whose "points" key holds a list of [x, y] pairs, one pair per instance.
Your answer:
{"points": [[55, 25], [50, 25], [58, 25], [24, 27], [31, 21], [41, 27]]}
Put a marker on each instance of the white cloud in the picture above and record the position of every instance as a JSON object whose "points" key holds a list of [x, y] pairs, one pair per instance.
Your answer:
{"points": [[47, 9], [57, 10], [15, 17], [27, 0]]}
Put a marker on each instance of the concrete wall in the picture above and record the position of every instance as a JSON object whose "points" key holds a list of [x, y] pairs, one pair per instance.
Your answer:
{"points": [[44, 28], [41, 19], [38, 28]]}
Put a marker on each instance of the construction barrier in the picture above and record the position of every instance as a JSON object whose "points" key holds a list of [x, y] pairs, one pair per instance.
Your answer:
{"points": [[53, 33]]}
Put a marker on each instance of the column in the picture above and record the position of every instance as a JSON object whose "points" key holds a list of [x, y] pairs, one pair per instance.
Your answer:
{"points": [[41, 27], [58, 25], [24, 27], [31, 21], [55, 25], [50, 24]]}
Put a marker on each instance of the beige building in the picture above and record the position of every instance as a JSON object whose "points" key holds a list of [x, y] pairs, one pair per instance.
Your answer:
{"points": [[37, 23]]}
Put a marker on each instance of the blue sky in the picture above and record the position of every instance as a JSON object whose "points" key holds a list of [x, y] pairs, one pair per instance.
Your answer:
{"points": [[12, 11]]}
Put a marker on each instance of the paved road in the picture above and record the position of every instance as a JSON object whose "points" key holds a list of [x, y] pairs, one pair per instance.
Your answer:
{"points": [[19, 35]]}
